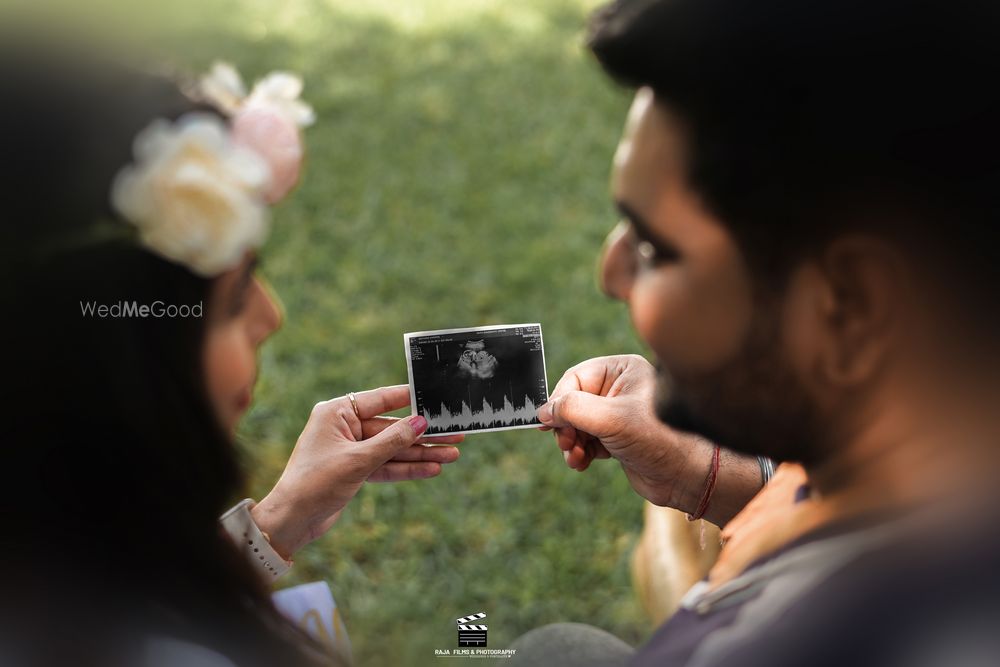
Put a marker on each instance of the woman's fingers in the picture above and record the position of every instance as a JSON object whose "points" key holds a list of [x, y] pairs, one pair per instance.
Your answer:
{"points": [[442, 439], [376, 425], [415, 462], [384, 399], [421, 453], [391, 440], [397, 471]]}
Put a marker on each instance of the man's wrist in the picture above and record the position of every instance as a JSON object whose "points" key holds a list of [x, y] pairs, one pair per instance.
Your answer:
{"points": [[739, 480], [689, 479]]}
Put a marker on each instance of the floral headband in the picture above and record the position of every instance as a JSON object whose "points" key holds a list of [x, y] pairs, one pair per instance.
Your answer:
{"points": [[198, 188]]}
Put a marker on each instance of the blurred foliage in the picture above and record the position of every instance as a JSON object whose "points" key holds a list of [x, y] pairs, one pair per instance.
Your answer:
{"points": [[457, 176]]}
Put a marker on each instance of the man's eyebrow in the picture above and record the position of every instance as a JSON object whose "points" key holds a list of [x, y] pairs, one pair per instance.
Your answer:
{"points": [[626, 212], [644, 231]]}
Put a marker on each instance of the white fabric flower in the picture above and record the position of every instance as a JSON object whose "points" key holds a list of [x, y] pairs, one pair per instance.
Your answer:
{"points": [[278, 91], [223, 86], [194, 194], [281, 91]]}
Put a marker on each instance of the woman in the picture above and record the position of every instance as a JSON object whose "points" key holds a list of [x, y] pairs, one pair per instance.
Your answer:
{"points": [[132, 217]]}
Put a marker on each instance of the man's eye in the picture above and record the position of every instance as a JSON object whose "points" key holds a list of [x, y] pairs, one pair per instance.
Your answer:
{"points": [[650, 255]]}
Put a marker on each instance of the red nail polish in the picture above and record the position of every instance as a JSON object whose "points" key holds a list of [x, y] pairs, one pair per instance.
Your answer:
{"points": [[418, 423]]}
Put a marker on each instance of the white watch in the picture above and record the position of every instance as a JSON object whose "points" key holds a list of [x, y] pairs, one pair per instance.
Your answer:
{"points": [[239, 524]]}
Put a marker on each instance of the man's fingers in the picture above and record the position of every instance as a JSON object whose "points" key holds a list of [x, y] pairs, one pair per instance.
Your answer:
{"points": [[566, 438], [594, 376], [421, 453], [395, 471], [578, 458], [581, 410]]}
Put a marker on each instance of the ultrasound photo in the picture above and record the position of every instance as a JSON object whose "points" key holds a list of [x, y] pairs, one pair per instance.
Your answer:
{"points": [[477, 379]]}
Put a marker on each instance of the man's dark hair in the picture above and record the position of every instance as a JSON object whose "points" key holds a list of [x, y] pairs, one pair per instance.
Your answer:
{"points": [[808, 119]]}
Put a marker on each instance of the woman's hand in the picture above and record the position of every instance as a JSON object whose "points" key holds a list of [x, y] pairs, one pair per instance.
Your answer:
{"points": [[336, 453]]}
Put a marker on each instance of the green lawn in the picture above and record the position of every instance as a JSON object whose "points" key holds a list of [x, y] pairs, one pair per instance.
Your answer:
{"points": [[457, 176]]}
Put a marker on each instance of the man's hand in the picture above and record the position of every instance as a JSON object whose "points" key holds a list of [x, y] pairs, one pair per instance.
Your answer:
{"points": [[603, 408], [336, 453]]}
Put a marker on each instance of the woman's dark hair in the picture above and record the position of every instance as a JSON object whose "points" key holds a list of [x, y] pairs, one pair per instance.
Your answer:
{"points": [[808, 119], [116, 469]]}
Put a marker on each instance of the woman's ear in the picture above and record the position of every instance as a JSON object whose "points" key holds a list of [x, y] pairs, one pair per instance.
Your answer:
{"points": [[842, 316]]}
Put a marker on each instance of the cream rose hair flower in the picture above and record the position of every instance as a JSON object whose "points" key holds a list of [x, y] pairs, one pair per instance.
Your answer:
{"points": [[195, 194]]}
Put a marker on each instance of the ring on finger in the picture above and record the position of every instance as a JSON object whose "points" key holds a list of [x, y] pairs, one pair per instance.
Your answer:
{"points": [[354, 404]]}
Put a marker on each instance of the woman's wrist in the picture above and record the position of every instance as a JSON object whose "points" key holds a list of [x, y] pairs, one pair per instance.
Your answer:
{"points": [[275, 520], [255, 544]]}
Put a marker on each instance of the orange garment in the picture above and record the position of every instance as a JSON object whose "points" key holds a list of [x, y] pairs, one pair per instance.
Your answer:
{"points": [[770, 520]]}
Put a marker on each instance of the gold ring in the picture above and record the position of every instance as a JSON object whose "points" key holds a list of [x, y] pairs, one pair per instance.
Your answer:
{"points": [[354, 404]]}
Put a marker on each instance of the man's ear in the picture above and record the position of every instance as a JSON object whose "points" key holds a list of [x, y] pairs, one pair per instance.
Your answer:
{"points": [[844, 307]]}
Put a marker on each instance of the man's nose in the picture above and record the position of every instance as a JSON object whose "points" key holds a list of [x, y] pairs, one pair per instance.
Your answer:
{"points": [[618, 264]]}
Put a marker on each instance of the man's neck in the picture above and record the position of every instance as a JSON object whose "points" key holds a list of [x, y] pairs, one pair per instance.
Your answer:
{"points": [[894, 464]]}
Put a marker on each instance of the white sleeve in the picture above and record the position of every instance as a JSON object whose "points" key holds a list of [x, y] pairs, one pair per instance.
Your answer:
{"points": [[168, 652], [239, 525]]}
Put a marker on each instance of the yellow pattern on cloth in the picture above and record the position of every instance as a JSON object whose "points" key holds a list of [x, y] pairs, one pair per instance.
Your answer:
{"points": [[770, 520]]}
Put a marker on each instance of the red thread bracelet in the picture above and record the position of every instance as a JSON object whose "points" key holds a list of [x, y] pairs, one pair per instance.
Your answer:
{"points": [[713, 477]]}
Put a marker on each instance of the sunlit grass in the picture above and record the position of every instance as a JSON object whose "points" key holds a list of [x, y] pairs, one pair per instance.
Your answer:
{"points": [[457, 176]]}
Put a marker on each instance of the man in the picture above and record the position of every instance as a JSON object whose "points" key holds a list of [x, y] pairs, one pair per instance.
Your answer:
{"points": [[809, 191]]}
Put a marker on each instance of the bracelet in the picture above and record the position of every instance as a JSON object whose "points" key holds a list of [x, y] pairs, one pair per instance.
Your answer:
{"points": [[713, 477], [766, 469], [254, 543]]}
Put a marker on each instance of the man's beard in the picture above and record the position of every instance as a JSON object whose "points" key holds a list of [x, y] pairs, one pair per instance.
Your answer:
{"points": [[753, 404]]}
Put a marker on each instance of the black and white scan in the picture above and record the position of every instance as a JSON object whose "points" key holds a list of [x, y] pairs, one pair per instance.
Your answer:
{"points": [[477, 379]]}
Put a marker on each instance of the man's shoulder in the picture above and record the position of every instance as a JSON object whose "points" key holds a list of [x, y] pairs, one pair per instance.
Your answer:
{"points": [[854, 598]]}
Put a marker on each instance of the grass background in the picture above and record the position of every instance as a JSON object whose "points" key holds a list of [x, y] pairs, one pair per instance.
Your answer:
{"points": [[457, 176]]}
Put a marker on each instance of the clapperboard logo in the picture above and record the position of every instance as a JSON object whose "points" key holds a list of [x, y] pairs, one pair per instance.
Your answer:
{"points": [[470, 634]]}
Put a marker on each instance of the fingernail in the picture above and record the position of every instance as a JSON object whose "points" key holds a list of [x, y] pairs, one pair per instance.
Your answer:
{"points": [[545, 413], [418, 424]]}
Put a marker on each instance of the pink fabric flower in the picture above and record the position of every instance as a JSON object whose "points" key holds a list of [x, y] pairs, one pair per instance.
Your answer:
{"points": [[268, 120], [276, 138]]}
